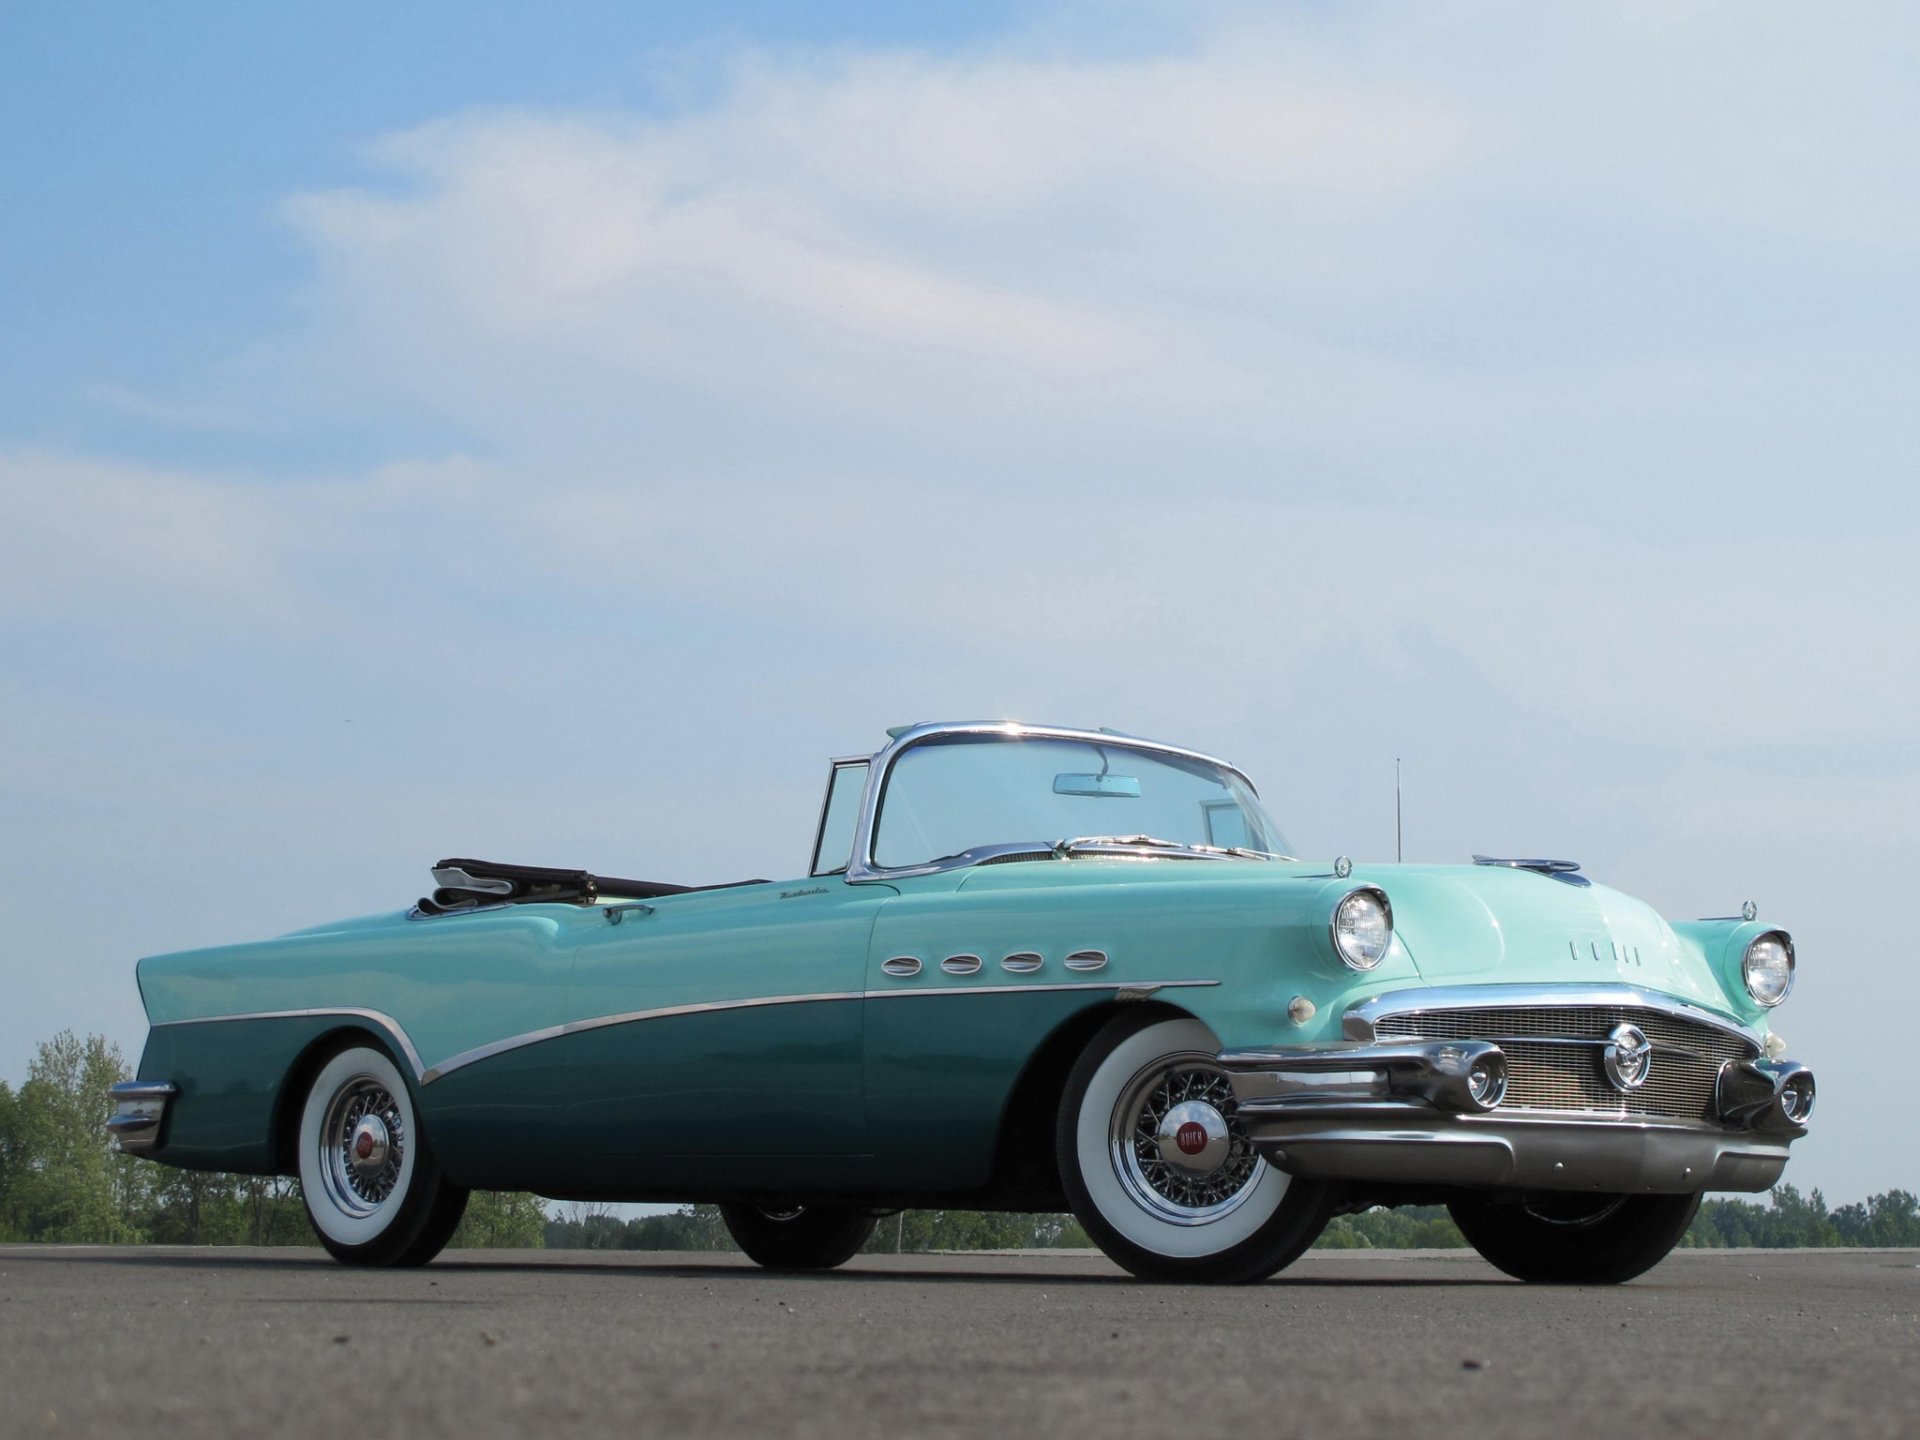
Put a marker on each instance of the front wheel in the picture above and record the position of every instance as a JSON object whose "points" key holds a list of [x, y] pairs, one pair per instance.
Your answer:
{"points": [[1576, 1239], [798, 1237], [1159, 1169], [373, 1191]]}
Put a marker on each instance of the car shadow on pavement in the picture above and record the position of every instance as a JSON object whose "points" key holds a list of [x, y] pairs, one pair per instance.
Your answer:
{"points": [[936, 1270]]}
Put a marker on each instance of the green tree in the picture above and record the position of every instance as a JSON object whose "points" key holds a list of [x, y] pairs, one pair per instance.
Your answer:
{"points": [[501, 1220], [1791, 1220], [192, 1207], [918, 1231], [64, 1181], [272, 1210], [1414, 1227], [1889, 1219], [8, 1162]]}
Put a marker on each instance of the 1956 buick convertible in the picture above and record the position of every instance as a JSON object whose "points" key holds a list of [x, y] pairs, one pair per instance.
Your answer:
{"points": [[1029, 968]]}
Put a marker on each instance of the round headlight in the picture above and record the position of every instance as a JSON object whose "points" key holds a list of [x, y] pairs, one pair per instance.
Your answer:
{"points": [[1767, 968], [1363, 928]]}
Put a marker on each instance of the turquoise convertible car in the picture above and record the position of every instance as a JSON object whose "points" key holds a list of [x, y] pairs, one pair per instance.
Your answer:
{"points": [[1029, 968]]}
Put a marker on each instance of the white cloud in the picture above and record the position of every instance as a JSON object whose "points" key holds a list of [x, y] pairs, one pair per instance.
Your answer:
{"points": [[1736, 643], [92, 534], [1487, 249]]}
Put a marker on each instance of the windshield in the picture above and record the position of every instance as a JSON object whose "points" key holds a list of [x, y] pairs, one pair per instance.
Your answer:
{"points": [[954, 794]]}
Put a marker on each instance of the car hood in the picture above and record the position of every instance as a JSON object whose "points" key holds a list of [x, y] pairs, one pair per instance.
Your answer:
{"points": [[1467, 924], [1455, 924]]}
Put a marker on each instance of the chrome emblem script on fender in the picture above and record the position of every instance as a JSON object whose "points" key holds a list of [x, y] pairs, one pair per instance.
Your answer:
{"points": [[1627, 1058]]}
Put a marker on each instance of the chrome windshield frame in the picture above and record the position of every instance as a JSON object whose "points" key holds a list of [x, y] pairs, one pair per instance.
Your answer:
{"points": [[862, 870]]}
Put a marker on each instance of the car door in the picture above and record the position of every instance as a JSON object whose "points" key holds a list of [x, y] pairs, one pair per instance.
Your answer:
{"points": [[717, 1037], [963, 987]]}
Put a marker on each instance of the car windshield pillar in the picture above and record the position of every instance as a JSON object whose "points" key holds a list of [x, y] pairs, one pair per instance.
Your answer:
{"points": [[839, 816]]}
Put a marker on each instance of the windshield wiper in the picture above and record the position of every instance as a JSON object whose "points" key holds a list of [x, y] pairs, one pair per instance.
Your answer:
{"points": [[1065, 849]]}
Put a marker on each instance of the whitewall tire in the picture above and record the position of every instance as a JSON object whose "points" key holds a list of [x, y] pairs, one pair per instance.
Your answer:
{"points": [[1160, 1172], [373, 1191]]}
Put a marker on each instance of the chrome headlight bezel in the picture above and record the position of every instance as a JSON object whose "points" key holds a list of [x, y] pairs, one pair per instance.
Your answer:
{"points": [[1748, 967], [1343, 943]]}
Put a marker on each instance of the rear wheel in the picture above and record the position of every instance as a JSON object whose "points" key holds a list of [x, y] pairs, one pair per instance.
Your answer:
{"points": [[1160, 1171], [1576, 1239], [373, 1191], [798, 1237]]}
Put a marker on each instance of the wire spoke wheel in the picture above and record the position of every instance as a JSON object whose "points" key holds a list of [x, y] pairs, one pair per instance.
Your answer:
{"points": [[364, 1144], [1159, 1168], [1165, 1133], [373, 1190]]}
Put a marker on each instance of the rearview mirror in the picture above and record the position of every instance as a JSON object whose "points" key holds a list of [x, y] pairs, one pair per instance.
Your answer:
{"points": [[1124, 786]]}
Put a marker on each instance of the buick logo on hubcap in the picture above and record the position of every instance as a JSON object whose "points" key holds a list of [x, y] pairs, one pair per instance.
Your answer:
{"points": [[1191, 1138], [1627, 1058]]}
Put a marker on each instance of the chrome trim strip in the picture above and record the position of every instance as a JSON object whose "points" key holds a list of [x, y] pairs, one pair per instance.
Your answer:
{"points": [[861, 868], [1358, 1022], [629, 1017], [1133, 989], [426, 1075], [142, 1090], [384, 1021]]}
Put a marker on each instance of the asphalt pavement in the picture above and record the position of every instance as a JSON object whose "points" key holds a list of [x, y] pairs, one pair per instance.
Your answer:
{"points": [[211, 1343]]}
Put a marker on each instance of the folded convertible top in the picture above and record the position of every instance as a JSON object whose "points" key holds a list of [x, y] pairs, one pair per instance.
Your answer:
{"points": [[469, 884], [464, 884]]}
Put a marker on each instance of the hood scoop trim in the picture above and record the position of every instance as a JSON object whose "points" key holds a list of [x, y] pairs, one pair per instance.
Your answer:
{"points": [[1565, 871]]}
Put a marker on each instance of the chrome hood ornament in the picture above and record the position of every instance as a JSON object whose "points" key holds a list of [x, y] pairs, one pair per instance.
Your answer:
{"points": [[1567, 871]]}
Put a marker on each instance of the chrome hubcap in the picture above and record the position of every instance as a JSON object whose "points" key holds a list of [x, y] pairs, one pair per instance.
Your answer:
{"points": [[1192, 1137], [362, 1145], [368, 1147], [1178, 1148]]}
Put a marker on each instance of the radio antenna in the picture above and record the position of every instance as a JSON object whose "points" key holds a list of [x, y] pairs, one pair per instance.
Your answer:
{"points": [[1399, 855]]}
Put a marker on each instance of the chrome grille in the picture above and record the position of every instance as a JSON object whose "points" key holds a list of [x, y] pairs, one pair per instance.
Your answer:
{"points": [[1548, 1074]]}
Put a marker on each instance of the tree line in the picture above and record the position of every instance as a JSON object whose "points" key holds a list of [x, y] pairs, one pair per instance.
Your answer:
{"points": [[62, 1181]]}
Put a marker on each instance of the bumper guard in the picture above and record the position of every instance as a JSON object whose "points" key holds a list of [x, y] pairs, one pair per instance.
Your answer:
{"points": [[1404, 1113], [138, 1108]]}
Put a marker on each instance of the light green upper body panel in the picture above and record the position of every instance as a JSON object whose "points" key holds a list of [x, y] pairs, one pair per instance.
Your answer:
{"points": [[1247, 937]]}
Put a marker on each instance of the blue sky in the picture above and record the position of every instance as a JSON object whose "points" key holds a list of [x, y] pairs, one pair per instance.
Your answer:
{"points": [[553, 433]]}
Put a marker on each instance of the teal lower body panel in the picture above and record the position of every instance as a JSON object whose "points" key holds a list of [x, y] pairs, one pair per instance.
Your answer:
{"points": [[230, 1075], [941, 1070], [753, 1096], [760, 1098], [499, 1124]]}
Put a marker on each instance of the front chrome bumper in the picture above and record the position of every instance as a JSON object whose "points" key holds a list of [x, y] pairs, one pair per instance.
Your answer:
{"points": [[138, 1108], [1402, 1112]]}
